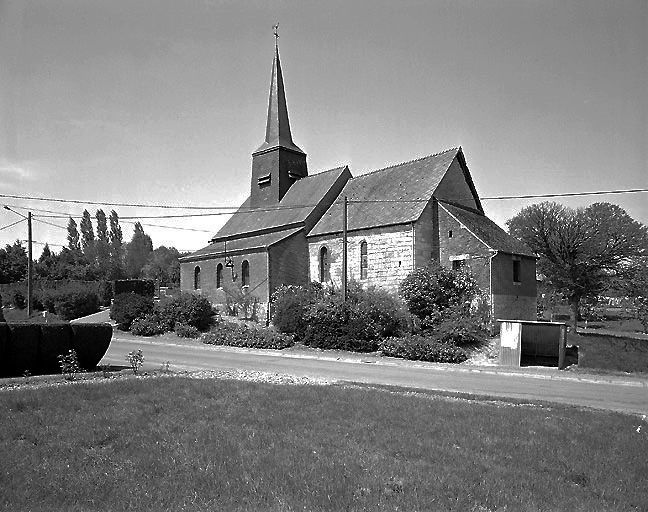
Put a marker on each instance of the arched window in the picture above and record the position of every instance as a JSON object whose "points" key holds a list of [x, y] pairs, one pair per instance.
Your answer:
{"points": [[219, 275], [245, 273], [197, 278], [323, 265], [364, 263]]}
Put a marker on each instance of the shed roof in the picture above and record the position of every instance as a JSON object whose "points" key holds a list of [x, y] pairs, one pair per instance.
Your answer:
{"points": [[216, 249], [487, 231], [389, 196]]}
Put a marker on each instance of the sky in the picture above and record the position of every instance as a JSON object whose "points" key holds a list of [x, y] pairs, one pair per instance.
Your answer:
{"points": [[163, 102]]}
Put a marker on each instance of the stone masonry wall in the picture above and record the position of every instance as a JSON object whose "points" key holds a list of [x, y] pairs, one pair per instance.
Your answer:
{"points": [[389, 254], [289, 262], [610, 352]]}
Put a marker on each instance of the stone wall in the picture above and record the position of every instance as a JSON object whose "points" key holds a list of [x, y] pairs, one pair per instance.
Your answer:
{"points": [[610, 352], [288, 262], [389, 254]]}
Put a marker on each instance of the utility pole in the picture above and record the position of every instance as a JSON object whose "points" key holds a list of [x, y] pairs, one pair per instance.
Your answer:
{"points": [[29, 259], [344, 248], [29, 266]]}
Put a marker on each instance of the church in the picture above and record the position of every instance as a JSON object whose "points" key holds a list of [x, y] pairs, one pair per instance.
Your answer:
{"points": [[289, 231]]}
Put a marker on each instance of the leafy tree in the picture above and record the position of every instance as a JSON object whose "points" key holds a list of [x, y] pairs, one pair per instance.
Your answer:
{"points": [[87, 236], [13, 263], [73, 236], [138, 251], [163, 265], [579, 249], [47, 263], [635, 285]]}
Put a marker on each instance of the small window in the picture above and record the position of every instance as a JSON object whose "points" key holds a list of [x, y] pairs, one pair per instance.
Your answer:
{"points": [[197, 278], [323, 265], [219, 275], [245, 273], [449, 233], [458, 264], [516, 271], [364, 262]]}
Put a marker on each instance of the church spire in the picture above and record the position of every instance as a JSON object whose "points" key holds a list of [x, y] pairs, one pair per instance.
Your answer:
{"points": [[277, 126]]}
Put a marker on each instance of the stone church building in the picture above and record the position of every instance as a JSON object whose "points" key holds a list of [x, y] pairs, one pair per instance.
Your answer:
{"points": [[289, 229]]}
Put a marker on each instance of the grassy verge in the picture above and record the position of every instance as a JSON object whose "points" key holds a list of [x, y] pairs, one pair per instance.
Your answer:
{"points": [[183, 444]]}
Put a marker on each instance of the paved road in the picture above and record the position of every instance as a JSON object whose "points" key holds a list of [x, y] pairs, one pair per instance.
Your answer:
{"points": [[617, 394]]}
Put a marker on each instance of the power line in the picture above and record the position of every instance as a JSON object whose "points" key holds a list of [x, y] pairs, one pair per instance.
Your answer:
{"points": [[568, 194], [50, 223], [12, 224]]}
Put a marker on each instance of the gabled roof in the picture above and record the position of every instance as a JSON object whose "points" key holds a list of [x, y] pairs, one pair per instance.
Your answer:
{"points": [[297, 207], [487, 231], [394, 195], [216, 249]]}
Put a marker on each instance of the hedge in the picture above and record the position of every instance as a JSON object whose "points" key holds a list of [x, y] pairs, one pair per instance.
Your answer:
{"points": [[145, 287], [241, 336], [35, 348], [420, 348]]}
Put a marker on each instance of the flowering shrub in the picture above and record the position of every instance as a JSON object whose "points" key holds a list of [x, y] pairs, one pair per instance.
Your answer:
{"points": [[421, 348], [290, 305], [186, 331], [148, 325], [234, 335], [69, 364], [135, 359]]}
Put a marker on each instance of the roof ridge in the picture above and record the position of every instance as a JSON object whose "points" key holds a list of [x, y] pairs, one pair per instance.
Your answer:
{"points": [[341, 167], [456, 148]]}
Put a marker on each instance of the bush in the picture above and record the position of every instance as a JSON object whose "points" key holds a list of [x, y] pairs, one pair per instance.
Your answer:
{"points": [[234, 335], [420, 348], [75, 304], [105, 292], [127, 307], [19, 300], [357, 324], [187, 309], [290, 306], [429, 291], [90, 342], [148, 325], [186, 331]]}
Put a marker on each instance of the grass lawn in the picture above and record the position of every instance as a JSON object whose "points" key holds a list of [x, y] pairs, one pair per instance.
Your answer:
{"points": [[174, 443]]}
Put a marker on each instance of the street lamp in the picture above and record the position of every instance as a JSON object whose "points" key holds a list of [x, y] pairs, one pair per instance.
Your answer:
{"points": [[29, 258]]}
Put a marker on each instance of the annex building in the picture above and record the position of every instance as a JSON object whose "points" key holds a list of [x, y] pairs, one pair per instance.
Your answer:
{"points": [[289, 229]]}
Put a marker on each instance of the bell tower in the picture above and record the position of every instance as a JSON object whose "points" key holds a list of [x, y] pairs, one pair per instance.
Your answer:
{"points": [[278, 162]]}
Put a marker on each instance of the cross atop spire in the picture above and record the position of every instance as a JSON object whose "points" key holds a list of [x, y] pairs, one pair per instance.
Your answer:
{"points": [[277, 126]]}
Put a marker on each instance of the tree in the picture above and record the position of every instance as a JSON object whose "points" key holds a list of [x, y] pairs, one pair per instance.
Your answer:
{"points": [[47, 263], [164, 266], [635, 285], [579, 249], [73, 236], [87, 236], [102, 244], [116, 248], [138, 251], [13, 263]]}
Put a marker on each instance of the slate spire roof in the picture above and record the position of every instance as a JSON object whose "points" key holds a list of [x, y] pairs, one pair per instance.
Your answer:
{"points": [[277, 126]]}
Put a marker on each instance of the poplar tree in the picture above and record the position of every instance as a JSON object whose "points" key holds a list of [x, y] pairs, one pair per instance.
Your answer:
{"points": [[73, 236], [87, 235], [102, 244], [115, 238]]}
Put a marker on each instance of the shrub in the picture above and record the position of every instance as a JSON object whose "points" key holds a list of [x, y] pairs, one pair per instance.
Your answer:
{"points": [[290, 305], [19, 300], [69, 364], [135, 359], [186, 331], [127, 307], [420, 348], [148, 325], [429, 291], [356, 324], [75, 304], [234, 335], [90, 342], [187, 309]]}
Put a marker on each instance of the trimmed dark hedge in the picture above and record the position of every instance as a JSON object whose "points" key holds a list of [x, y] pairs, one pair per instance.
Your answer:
{"points": [[35, 348], [145, 287]]}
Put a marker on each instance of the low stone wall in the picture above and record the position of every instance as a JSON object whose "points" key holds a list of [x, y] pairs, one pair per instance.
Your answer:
{"points": [[611, 352]]}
